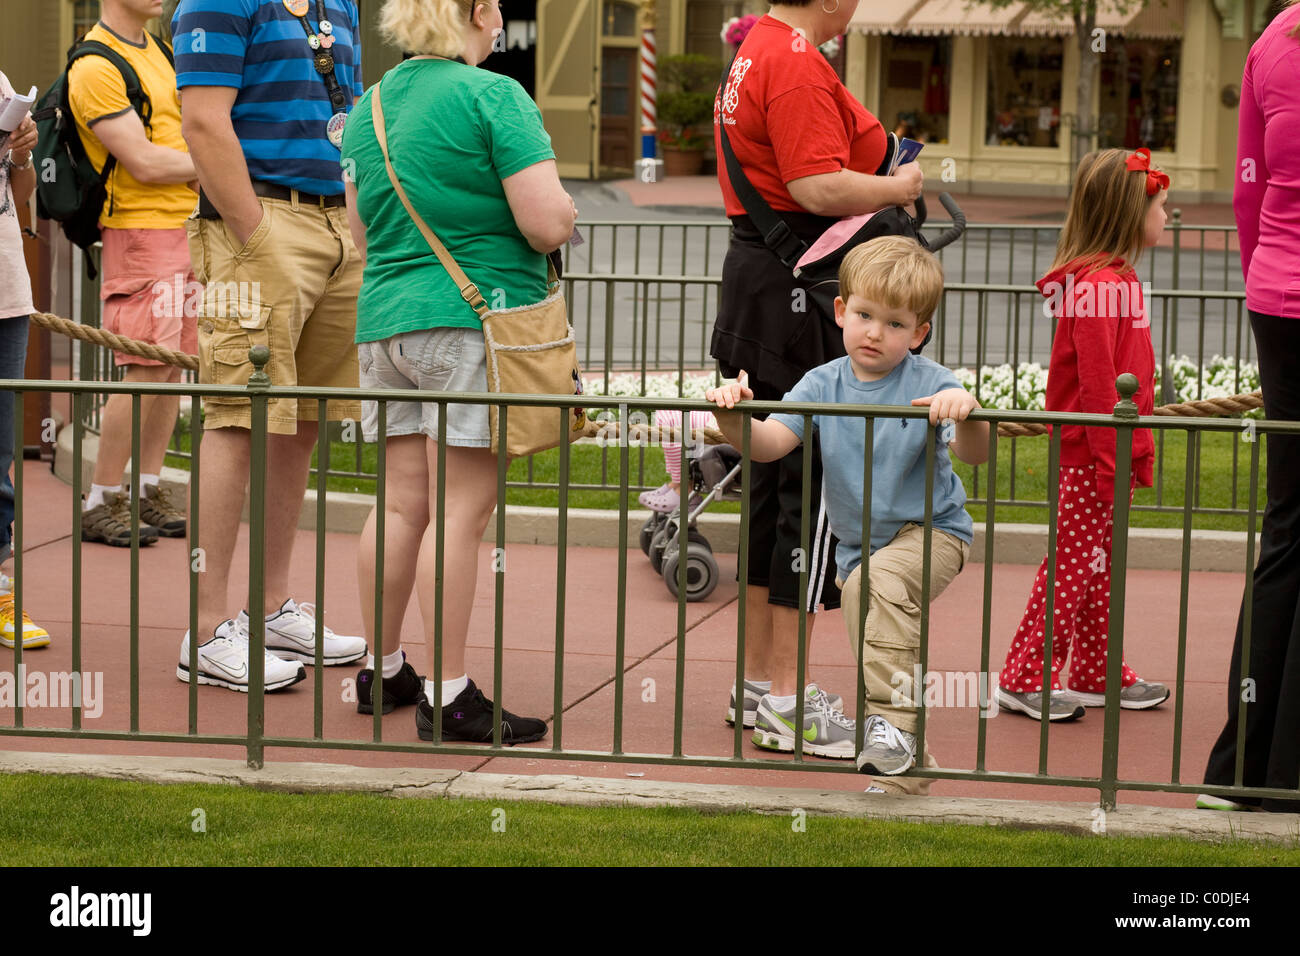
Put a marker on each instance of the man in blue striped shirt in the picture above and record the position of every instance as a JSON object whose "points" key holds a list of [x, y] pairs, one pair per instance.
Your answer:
{"points": [[265, 87]]}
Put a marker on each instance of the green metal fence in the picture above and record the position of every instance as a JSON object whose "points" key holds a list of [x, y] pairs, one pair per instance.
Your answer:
{"points": [[255, 740], [646, 304]]}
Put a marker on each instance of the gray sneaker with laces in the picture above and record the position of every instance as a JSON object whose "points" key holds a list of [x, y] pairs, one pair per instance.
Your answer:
{"points": [[1062, 705], [887, 751], [826, 731]]}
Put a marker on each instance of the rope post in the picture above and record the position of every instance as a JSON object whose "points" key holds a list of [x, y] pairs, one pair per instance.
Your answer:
{"points": [[649, 169]]}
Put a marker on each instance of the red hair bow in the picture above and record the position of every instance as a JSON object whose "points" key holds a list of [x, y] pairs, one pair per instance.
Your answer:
{"points": [[1140, 161]]}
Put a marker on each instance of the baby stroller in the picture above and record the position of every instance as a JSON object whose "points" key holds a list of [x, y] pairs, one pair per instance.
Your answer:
{"points": [[714, 476]]}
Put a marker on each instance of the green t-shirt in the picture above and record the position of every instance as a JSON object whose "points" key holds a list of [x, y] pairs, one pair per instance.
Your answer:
{"points": [[454, 132]]}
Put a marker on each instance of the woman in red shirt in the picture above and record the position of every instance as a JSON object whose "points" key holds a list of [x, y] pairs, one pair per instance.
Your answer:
{"points": [[812, 152], [1117, 208]]}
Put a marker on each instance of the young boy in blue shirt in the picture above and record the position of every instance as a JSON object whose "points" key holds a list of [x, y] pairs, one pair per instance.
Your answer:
{"points": [[890, 288]]}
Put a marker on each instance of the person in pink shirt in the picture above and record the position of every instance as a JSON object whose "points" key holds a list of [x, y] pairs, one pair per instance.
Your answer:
{"points": [[1266, 202]]}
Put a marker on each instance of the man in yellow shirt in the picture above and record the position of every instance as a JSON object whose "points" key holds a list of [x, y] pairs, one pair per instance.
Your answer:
{"points": [[148, 289]]}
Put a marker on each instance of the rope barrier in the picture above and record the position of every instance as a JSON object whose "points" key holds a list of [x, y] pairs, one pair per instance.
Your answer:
{"points": [[120, 343]]}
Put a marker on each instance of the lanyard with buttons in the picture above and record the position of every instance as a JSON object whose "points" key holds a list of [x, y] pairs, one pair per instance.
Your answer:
{"points": [[323, 60]]}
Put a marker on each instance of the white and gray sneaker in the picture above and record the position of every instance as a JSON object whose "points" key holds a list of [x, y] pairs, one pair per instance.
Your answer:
{"points": [[887, 751], [223, 661], [826, 731], [753, 693], [1140, 696], [291, 634], [1062, 704]]}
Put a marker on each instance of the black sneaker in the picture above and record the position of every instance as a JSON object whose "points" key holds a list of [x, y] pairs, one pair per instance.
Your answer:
{"points": [[469, 717], [404, 687]]}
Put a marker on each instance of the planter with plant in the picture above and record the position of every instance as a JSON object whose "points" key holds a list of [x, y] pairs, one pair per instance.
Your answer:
{"points": [[685, 111]]}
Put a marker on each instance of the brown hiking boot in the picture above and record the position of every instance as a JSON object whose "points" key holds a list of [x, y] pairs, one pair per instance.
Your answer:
{"points": [[158, 508], [110, 522]]}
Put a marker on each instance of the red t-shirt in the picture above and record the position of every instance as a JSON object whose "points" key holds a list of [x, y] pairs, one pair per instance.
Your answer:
{"points": [[789, 116]]}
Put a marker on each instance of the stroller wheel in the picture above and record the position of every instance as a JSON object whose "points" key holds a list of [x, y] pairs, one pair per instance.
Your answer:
{"points": [[701, 572], [695, 537], [658, 542], [647, 534]]}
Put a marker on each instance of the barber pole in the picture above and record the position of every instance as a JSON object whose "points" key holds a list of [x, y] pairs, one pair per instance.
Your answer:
{"points": [[648, 94]]}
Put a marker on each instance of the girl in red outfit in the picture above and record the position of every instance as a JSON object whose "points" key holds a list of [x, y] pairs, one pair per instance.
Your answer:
{"points": [[1116, 210]]}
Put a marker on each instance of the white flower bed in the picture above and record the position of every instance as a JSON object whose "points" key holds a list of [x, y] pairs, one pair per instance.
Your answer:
{"points": [[1000, 385]]}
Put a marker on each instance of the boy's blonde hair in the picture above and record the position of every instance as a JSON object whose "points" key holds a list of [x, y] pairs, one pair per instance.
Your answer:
{"points": [[896, 272], [427, 26], [1108, 211]]}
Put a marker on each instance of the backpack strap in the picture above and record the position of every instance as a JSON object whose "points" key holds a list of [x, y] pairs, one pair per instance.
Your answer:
{"points": [[777, 234], [135, 93], [166, 49]]}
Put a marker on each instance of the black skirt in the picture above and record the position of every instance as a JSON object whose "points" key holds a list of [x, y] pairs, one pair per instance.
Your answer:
{"points": [[768, 323]]}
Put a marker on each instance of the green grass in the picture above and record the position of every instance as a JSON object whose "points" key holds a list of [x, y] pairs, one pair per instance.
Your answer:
{"points": [[1026, 458], [70, 821]]}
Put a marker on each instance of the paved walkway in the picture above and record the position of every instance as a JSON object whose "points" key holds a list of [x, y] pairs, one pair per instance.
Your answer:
{"points": [[529, 638]]}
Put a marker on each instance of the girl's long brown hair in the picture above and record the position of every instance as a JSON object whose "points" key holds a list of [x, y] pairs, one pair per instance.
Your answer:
{"points": [[1107, 216]]}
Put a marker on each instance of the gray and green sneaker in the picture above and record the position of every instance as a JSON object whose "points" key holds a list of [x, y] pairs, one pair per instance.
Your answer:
{"points": [[887, 751], [1208, 801], [753, 692], [826, 731]]}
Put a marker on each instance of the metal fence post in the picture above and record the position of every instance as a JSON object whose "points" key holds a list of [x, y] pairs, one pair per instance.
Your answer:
{"points": [[258, 383], [1126, 414]]}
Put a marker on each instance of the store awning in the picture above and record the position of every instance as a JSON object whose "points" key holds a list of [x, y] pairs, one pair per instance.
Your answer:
{"points": [[938, 17], [1158, 19], [883, 16]]}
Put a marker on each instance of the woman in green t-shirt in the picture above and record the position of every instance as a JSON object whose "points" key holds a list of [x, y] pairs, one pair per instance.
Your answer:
{"points": [[473, 157]]}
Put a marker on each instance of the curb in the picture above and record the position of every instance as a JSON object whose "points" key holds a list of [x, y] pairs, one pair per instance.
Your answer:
{"points": [[414, 783], [1158, 549]]}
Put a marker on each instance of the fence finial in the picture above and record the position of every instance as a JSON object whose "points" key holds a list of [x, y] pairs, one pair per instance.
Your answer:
{"points": [[1127, 386], [259, 355]]}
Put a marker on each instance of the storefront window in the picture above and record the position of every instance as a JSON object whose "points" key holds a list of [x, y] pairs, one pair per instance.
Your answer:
{"points": [[914, 78], [1138, 102], [1024, 97]]}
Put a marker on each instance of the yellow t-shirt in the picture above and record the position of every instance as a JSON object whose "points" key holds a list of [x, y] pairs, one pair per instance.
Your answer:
{"points": [[96, 91]]}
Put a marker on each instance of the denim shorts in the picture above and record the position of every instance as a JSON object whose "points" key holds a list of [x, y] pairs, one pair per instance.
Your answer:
{"points": [[437, 360]]}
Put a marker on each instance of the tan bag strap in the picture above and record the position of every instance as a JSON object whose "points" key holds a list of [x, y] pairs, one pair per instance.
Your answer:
{"points": [[468, 290]]}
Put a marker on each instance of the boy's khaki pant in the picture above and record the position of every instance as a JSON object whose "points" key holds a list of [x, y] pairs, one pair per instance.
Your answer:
{"points": [[891, 641]]}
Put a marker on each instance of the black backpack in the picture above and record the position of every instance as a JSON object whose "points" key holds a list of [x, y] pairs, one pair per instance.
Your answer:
{"points": [[68, 189]]}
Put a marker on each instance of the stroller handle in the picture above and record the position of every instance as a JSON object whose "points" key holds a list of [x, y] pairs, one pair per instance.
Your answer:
{"points": [[953, 232]]}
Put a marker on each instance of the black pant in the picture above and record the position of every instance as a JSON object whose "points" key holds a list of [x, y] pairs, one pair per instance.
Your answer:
{"points": [[775, 531], [1272, 749]]}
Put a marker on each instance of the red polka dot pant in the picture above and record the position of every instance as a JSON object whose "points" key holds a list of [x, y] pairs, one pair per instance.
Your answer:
{"points": [[1081, 613]]}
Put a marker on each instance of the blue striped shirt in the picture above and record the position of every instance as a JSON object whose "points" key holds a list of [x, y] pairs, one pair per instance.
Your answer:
{"points": [[283, 105]]}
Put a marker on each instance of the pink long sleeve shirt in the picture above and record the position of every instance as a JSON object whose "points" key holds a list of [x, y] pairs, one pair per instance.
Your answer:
{"points": [[1266, 200]]}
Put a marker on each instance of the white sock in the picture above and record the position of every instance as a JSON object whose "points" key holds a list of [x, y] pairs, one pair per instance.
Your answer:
{"points": [[450, 689], [780, 703], [147, 481], [764, 685], [392, 663], [95, 497]]}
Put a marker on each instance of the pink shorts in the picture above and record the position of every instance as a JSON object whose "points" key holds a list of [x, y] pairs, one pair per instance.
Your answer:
{"points": [[149, 292]]}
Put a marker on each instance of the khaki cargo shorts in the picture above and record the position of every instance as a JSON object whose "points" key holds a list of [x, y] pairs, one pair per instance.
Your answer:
{"points": [[293, 288]]}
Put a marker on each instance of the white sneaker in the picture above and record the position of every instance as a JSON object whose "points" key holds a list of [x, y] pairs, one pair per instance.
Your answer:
{"points": [[223, 661], [291, 634]]}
